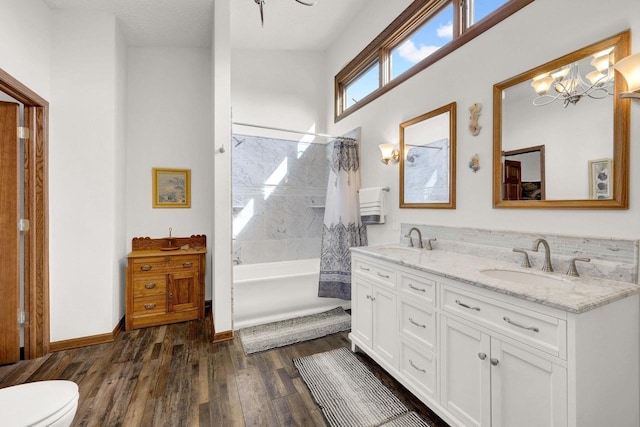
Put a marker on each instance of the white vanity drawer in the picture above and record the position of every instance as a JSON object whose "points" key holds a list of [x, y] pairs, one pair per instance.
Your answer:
{"points": [[539, 330], [418, 287], [418, 323], [378, 271], [419, 368]]}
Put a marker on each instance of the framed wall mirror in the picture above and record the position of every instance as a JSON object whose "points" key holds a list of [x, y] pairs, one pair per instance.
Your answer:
{"points": [[566, 115], [428, 160]]}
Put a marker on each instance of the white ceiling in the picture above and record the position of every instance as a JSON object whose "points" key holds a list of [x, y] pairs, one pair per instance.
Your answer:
{"points": [[188, 23]]}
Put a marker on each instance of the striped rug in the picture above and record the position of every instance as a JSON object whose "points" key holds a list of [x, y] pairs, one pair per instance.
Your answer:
{"points": [[285, 332], [349, 395]]}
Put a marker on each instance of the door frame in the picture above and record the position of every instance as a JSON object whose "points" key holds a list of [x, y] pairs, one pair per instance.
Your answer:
{"points": [[36, 210]]}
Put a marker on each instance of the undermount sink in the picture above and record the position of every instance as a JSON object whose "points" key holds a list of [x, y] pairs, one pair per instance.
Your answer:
{"points": [[526, 278], [398, 251]]}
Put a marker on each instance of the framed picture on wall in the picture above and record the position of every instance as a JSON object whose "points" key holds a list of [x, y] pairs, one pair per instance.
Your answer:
{"points": [[171, 188], [600, 183]]}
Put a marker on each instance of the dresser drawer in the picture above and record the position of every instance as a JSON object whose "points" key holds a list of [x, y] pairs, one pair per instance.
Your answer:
{"points": [[378, 271], [418, 287], [539, 330], [145, 285], [418, 367], [418, 322], [163, 264], [149, 305]]}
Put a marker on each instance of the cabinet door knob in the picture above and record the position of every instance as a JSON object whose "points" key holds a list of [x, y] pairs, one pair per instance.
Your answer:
{"points": [[494, 362], [482, 356], [187, 264], [149, 306], [170, 295], [149, 285], [145, 267], [368, 296]]}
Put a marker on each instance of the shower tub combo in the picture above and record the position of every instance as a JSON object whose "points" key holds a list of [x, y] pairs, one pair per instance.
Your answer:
{"points": [[268, 292]]}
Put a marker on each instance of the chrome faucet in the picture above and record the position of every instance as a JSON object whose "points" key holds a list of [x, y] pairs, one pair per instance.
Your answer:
{"points": [[547, 255], [411, 240], [429, 246], [525, 260]]}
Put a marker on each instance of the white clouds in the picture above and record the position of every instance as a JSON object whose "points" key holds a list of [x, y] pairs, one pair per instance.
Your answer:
{"points": [[411, 53], [446, 31]]}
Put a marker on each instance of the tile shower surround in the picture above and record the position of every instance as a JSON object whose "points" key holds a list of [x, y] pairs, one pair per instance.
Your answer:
{"points": [[615, 259], [287, 215]]}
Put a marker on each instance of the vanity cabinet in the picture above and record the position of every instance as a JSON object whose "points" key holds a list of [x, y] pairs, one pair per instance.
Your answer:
{"points": [[165, 285], [478, 357], [375, 302]]}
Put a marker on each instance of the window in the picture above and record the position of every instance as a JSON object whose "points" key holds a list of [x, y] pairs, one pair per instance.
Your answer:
{"points": [[362, 85], [425, 32]]}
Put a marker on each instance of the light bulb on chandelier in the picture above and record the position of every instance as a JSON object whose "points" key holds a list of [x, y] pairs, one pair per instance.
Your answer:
{"points": [[570, 86], [261, 3]]}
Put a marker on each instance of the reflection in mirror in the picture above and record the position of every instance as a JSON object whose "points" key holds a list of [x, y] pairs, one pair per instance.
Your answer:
{"points": [[569, 107], [427, 160], [524, 174]]}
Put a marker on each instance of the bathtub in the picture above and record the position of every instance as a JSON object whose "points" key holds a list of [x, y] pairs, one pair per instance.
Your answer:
{"points": [[273, 291]]}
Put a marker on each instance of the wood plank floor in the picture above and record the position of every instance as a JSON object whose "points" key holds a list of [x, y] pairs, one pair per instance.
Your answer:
{"points": [[174, 376]]}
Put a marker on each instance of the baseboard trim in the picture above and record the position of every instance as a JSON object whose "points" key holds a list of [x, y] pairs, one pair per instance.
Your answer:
{"points": [[222, 336], [87, 341]]}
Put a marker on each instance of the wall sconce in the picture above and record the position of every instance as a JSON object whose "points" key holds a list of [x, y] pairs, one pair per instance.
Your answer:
{"points": [[389, 153], [629, 67]]}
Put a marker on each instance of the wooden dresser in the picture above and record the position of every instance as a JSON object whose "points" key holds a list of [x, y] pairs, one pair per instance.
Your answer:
{"points": [[165, 284]]}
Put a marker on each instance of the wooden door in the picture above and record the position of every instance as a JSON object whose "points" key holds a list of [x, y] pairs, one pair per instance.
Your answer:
{"points": [[184, 291], [9, 234], [512, 180]]}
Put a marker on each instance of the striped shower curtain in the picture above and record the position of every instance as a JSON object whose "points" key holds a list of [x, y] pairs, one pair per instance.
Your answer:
{"points": [[342, 227]]}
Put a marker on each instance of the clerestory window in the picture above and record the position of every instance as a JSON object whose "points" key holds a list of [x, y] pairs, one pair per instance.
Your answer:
{"points": [[425, 32]]}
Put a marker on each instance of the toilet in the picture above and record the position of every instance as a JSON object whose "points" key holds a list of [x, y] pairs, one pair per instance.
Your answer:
{"points": [[39, 404]]}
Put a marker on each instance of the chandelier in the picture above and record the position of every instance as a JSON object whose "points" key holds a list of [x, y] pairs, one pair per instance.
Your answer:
{"points": [[261, 3], [570, 87]]}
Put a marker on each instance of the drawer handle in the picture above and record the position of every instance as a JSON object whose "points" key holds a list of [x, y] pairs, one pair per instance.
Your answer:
{"points": [[382, 275], [150, 306], [149, 285], [461, 304], [145, 267], [416, 368], [417, 289], [519, 325], [365, 269], [416, 323], [187, 264]]}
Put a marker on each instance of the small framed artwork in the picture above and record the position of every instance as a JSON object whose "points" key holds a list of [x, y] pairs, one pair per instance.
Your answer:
{"points": [[600, 179], [171, 188]]}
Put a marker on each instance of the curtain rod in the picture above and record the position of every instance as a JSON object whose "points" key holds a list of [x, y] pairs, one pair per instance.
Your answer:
{"points": [[292, 131]]}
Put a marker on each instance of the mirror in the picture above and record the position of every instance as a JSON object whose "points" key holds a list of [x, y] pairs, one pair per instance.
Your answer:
{"points": [[427, 160], [548, 140]]}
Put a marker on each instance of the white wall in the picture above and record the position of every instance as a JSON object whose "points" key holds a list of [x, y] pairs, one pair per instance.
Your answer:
{"points": [[534, 35], [85, 159], [169, 126], [25, 48], [279, 89]]}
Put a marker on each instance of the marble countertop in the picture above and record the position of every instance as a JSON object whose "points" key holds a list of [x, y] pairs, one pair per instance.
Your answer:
{"points": [[572, 294]]}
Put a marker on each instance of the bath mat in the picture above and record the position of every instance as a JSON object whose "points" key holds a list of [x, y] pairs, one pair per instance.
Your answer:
{"points": [[285, 332], [349, 395]]}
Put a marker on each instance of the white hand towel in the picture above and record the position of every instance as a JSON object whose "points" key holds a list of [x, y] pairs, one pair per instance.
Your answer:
{"points": [[372, 205]]}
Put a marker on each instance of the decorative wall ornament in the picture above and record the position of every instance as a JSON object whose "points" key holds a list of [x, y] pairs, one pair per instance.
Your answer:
{"points": [[171, 188], [474, 163], [474, 113]]}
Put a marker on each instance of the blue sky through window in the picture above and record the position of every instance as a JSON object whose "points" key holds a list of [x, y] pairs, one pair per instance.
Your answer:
{"points": [[363, 85], [430, 37], [482, 8]]}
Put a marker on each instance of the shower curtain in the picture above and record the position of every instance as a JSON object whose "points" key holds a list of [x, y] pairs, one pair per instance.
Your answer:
{"points": [[342, 227]]}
